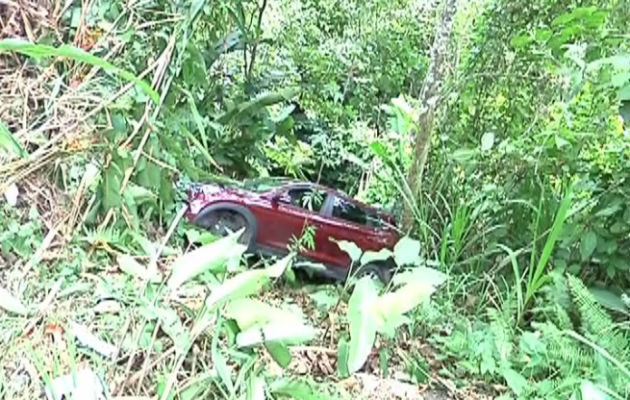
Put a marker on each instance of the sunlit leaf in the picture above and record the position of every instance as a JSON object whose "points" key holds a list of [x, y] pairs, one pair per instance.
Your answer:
{"points": [[293, 389], [11, 303], [362, 323], [173, 327], [249, 312], [255, 388], [211, 257], [129, 265], [487, 141], [407, 252], [241, 285], [372, 256], [275, 332], [350, 248]]}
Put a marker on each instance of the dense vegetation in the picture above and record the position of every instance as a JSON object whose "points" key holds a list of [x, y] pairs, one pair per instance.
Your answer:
{"points": [[517, 225]]}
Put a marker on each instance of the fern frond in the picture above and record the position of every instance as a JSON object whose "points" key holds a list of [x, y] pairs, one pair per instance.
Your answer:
{"points": [[563, 352], [502, 331], [596, 323]]}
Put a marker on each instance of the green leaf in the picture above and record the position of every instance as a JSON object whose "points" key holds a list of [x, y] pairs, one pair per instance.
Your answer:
{"points": [[255, 388], [40, 50], [589, 391], [11, 303], [249, 312], [342, 358], [9, 143], [609, 299], [588, 244], [173, 327], [211, 257], [297, 390], [129, 265], [218, 360], [242, 285], [371, 256], [362, 323], [251, 106], [246, 283], [407, 252], [556, 229], [389, 308], [350, 248], [275, 331], [487, 141], [110, 187], [515, 381], [520, 41], [280, 353]]}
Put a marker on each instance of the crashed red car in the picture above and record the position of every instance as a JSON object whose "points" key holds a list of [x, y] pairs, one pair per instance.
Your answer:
{"points": [[276, 212]]}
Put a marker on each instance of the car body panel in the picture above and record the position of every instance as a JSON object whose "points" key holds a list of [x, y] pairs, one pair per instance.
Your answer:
{"points": [[279, 222]]}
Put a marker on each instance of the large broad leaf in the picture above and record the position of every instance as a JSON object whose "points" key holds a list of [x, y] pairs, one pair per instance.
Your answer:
{"points": [[407, 252], [389, 308], [40, 50], [374, 256], [297, 390], [211, 257], [9, 143], [246, 283], [350, 248], [419, 284], [362, 323], [242, 285], [11, 303], [279, 332], [249, 312], [424, 275]]}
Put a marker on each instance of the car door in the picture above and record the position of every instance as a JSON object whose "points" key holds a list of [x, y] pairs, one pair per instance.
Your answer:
{"points": [[347, 220], [293, 208]]}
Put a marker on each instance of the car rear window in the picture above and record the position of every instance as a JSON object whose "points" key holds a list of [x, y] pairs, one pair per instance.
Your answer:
{"points": [[349, 211], [307, 198]]}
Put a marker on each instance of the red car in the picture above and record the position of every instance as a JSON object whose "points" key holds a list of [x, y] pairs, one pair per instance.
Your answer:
{"points": [[276, 212]]}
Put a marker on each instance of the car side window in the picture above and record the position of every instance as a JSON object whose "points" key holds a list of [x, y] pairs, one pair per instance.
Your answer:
{"points": [[349, 211], [307, 198]]}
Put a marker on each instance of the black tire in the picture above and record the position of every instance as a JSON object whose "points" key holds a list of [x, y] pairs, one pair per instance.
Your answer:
{"points": [[222, 222], [382, 271]]}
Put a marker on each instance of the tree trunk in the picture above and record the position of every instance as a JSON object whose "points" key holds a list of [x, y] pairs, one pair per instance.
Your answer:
{"points": [[429, 98]]}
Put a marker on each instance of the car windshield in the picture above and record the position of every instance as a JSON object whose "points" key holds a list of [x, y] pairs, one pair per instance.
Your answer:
{"points": [[261, 185]]}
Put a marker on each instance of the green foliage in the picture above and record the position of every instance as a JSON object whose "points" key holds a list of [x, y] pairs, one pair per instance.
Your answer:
{"points": [[370, 312]]}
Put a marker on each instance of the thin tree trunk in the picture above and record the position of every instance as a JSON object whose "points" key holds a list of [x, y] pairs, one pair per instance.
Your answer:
{"points": [[429, 98]]}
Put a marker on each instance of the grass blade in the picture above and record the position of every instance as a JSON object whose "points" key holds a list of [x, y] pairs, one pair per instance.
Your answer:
{"points": [[9, 143]]}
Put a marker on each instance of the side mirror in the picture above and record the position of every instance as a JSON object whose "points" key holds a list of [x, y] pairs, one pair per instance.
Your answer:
{"points": [[278, 198], [275, 199]]}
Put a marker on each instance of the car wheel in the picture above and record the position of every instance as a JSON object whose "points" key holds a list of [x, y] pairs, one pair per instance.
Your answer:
{"points": [[379, 271], [224, 222]]}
